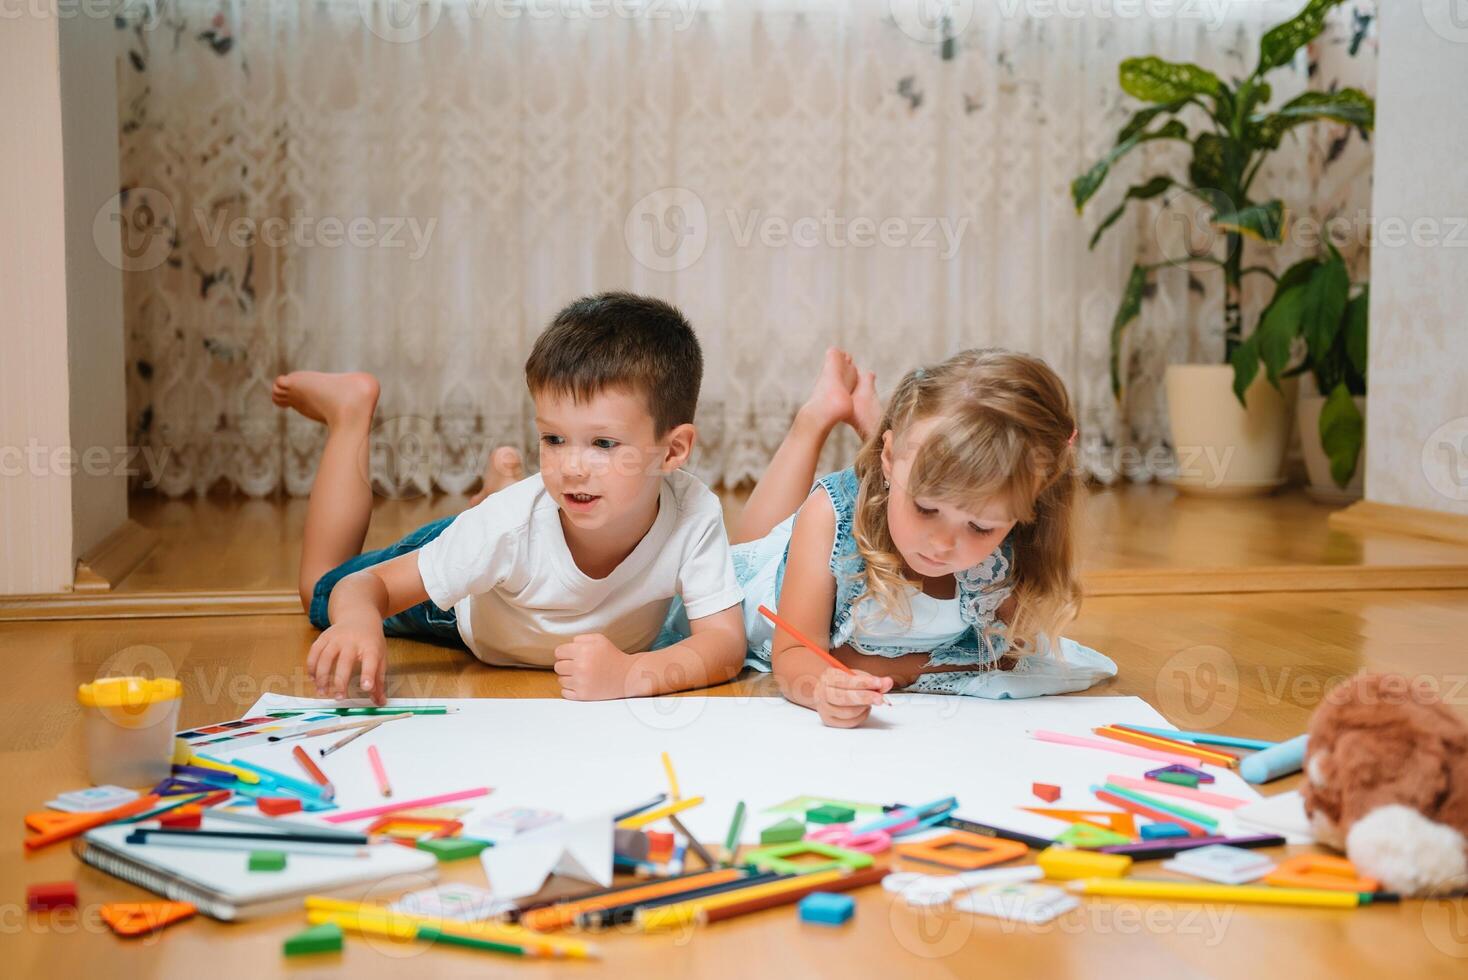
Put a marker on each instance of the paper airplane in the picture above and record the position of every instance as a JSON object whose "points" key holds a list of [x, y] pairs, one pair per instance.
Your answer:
{"points": [[580, 849]]}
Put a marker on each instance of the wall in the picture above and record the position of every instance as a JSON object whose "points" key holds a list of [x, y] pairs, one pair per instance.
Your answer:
{"points": [[1417, 384], [60, 299]]}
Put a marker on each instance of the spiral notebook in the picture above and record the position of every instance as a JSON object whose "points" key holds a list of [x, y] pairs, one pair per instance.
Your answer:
{"points": [[220, 884]]}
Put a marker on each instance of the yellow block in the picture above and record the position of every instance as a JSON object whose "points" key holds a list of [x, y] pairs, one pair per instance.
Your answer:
{"points": [[1063, 863]]}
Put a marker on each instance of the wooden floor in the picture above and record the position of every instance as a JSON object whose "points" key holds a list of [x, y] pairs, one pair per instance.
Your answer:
{"points": [[1248, 662]]}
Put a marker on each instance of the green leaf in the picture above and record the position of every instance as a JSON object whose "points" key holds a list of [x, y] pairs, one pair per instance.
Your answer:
{"points": [[1325, 301], [1280, 43], [1143, 118], [1342, 430], [1086, 185], [1253, 92], [1131, 306], [1277, 330], [1296, 275], [1153, 80], [1350, 106], [1356, 330], [1262, 221], [1246, 366], [1218, 168], [1140, 192]]}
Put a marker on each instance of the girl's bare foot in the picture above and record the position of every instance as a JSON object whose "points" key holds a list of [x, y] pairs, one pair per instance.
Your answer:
{"points": [[335, 399], [830, 399], [505, 467], [866, 407]]}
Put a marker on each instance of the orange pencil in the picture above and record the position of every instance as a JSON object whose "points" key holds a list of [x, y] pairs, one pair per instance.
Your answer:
{"points": [[1167, 745], [803, 640], [378, 770], [314, 771]]}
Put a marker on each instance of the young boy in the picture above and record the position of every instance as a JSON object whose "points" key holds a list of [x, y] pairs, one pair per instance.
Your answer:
{"points": [[573, 568]]}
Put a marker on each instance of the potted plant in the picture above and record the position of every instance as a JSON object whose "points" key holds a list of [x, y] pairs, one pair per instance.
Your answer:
{"points": [[1314, 301], [1229, 437]]}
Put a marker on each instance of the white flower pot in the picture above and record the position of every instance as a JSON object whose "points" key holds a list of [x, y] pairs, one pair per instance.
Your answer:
{"points": [[1322, 487], [1223, 448]]}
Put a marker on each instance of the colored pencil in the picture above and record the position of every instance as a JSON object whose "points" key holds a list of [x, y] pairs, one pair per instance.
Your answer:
{"points": [[377, 811], [988, 830], [803, 640], [238, 844], [634, 811], [368, 709], [1181, 792], [619, 915], [1120, 748], [1179, 891], [350, 738], [379, 772], [494, 931], [564, 913], [641, 820], [299, 837], [672, 776], [328, 791], [398, 927], [1152, 850], [311, 731], [279, 780], [244, 775], [727, 910], [1204, 738], [1163, 805], [250, 819], [731, 839], [693, 844], [1132, 806], [1168, 745], [682, 914]]}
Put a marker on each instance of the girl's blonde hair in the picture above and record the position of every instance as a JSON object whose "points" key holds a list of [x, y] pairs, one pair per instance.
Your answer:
{"points": [[1005, 434]]}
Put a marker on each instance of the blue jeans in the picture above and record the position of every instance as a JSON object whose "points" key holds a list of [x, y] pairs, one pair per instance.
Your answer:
{"points": [[424, 621]]}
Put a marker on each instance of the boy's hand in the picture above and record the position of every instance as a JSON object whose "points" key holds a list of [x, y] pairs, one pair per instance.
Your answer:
{"points": [[592, 668], [844, 700], [337, 652]]}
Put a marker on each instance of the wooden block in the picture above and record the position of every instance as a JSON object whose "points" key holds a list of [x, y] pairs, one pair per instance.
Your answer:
{"points": [[267, 860], [830, 813], [50, 895], [277, 805], [452, 848], [1046, 791], [783, 832], [827, 908], [325, 938]]}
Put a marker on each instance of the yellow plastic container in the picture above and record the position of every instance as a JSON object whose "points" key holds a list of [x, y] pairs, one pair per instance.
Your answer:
{"points": [[130, 725]]}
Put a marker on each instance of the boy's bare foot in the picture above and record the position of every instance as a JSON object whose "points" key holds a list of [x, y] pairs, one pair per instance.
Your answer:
{"points": [[866, 407], [504, 468], [830, 400], [335, 399]]}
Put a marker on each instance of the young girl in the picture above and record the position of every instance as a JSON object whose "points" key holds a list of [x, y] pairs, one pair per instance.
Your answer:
{"points": [[941, 561]]}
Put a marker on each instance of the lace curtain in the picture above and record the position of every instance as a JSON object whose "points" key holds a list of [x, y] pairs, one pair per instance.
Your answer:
{"points": [[413, 189]]}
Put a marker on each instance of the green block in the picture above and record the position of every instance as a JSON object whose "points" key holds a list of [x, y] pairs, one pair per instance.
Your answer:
{"points": [[267, 860], [783, 832], [777, 858], [452, 848], [1084, 836], [1178, 778], [325, 938], [830, 813]]}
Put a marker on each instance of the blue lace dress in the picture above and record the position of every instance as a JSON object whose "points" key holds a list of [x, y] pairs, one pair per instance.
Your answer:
{"points": [[975, 638]]}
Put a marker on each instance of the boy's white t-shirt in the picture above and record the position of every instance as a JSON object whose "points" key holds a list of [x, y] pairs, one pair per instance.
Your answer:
{"points": [[504, 568]]}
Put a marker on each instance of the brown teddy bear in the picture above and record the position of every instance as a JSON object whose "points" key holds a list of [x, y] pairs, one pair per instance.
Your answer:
{"points": [[1386, 768]]}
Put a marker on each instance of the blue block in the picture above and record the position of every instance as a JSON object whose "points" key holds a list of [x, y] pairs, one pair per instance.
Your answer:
{"points": [[827, 908], [1157, 831]]}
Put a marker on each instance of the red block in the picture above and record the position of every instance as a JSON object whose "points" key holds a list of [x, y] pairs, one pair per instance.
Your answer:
{"points": [[184, 818], [659, 846], [276, 805], [1046, 792], [51, 895]]}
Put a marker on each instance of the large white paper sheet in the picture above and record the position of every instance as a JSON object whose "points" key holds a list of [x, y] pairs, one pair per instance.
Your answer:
{"points": [[583, 758]]}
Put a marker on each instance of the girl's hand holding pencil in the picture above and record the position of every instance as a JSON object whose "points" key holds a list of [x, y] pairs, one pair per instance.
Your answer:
{"points": [[844, 699]]}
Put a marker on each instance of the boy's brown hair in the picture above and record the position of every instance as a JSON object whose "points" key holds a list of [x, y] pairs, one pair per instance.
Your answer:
{"points": [[621, 340]]}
